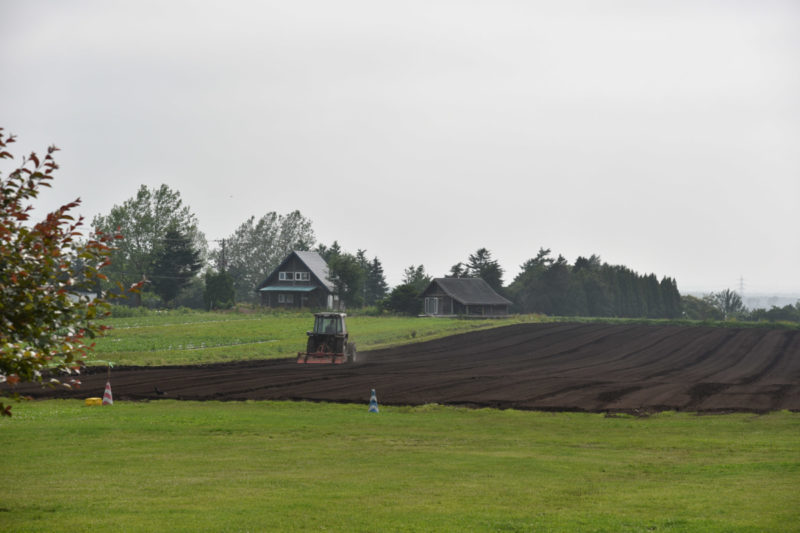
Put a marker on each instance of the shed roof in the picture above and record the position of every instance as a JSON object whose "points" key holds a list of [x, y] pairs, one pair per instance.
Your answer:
{"points": [[469, 291]]}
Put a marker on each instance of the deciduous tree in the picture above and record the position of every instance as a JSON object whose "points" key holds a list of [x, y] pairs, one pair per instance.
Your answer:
{"points": [[459, 270], [257, 247], [404, 299], [347, 276], [47, 274], [695, 308], [728, 302], [144, 221], [416, 277], [219, 292]]}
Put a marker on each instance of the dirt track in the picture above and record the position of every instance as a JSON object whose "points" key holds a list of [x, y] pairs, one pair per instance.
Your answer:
{"points": [[563, 366]]}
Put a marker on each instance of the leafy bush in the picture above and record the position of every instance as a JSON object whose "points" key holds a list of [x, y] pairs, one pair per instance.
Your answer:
{"points": [[49, 278]]}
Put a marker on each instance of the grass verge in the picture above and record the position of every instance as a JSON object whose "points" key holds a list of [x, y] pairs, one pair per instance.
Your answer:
{"points": [[281, 466]]}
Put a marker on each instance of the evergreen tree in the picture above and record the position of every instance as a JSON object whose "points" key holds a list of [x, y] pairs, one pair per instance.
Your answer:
{"points": [[481, 265], [175, 265], [527, 287], [375, 284], [653, 299], [329, 251], [576, 301], [357, 280], [671, 298], [556, 286], [591, 278]]}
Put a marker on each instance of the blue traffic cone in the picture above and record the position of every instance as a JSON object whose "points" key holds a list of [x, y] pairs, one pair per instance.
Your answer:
{"points": [[373, 402]]}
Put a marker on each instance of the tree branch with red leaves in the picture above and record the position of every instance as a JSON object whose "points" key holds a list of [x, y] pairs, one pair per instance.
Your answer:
{"points": [[50, 296]]}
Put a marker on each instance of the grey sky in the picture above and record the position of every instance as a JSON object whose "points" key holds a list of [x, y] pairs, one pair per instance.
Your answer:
{"points": [[660, 135]]}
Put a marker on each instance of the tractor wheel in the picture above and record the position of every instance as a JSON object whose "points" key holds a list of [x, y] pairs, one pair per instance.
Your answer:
{"points": [[310, 347], [351, 352]]}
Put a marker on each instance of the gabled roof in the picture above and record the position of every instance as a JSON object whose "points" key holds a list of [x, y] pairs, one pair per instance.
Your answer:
{"points": [[315, 263], [469, 291]]}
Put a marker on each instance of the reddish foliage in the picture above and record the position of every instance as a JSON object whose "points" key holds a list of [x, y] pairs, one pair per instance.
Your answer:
{"points": [[49, 277]]}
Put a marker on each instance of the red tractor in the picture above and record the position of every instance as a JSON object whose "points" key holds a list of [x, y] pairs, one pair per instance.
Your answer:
{"points": [[328, 342]]}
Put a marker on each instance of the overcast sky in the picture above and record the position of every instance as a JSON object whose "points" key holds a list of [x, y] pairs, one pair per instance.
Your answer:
{"points": [[664, 136]]}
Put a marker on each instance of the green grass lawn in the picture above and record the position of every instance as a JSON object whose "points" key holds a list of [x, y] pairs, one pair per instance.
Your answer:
{"points": [[282, 466], [214, 337]]}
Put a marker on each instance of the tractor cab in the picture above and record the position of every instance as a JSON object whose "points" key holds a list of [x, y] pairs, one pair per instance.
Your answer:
{"points": [[329, 324]]}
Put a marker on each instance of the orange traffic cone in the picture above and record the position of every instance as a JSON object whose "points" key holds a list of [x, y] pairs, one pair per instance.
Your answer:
{"points": [[107, 398]]}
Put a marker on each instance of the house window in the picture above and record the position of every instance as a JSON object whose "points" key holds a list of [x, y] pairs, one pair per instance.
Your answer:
{"points": [[301, 276], [286, 276], [431, 306], [285, 298]]}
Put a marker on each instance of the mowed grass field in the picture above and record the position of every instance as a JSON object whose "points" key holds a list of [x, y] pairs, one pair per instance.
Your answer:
{"points": [[282, 466], [196, 338]]}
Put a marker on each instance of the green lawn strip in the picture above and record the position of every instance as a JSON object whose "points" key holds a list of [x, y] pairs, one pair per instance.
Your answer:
{"points": [[283, 466], [259, 336], [198, 337]]}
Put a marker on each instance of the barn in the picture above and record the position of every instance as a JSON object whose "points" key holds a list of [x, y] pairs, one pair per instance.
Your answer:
{"points": [[463, 297], [301, 280]]}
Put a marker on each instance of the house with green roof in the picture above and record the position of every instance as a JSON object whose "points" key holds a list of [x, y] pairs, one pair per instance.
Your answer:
{"points": [[300, 281]]}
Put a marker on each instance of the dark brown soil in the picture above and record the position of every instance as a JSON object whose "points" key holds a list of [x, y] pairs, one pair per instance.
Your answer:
{"points": [[558, 367]]}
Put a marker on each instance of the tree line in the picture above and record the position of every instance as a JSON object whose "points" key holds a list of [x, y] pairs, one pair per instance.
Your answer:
{"points": [[590, 287], [728, 305], [164, 251]]}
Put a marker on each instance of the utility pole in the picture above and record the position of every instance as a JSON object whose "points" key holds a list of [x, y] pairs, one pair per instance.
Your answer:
{"points": [[223, 265]]}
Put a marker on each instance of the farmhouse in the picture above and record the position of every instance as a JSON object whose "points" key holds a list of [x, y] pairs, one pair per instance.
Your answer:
{"points": [[463, 296], [301, 280]]}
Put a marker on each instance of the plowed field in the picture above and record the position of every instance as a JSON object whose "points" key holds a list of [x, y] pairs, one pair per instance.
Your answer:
{"points": [[560, 366]]}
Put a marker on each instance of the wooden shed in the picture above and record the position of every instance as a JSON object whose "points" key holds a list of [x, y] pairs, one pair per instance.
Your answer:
{"points": [[463, 296], [301, 280]]}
